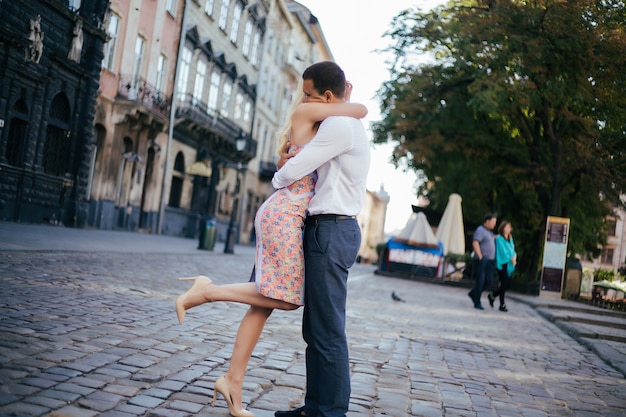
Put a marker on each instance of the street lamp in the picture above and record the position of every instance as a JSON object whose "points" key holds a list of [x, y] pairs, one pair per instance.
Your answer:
{"points": [[229, 246]]}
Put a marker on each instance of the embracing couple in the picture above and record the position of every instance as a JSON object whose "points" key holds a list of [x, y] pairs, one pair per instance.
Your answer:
{"points": [[321, 185]]}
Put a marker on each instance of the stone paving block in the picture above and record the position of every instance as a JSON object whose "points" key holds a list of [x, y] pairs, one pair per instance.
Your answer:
{"points": [[115, 413], [65, 396], [138, 361], [190, 407], [125, 388], [47, 402], [131, 409], [39, 382], [72, 411], [171, 385], [22, 409], [168, 412], [145, 401], [19, 389], [6, 398], [74, 388]]}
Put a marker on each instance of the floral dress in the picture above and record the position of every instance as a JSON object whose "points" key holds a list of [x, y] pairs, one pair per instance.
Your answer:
{"points": [[279, 264]]}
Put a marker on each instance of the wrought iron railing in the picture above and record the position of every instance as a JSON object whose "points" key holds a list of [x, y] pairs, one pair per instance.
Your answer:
{"points": [[140, 91]]}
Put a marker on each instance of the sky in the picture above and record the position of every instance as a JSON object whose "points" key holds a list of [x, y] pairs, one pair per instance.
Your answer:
{"points": [[354, 32]]}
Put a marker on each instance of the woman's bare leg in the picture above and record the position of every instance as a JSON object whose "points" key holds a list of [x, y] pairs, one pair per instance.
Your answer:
{"points": [[248, 335], [245, 293]]}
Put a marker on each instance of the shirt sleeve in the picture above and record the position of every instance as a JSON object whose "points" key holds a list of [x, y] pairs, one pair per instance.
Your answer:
{"points": [[329, 142]]}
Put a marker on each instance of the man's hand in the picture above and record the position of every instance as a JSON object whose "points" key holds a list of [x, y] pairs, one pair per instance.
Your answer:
{"points": [[285, 155]]}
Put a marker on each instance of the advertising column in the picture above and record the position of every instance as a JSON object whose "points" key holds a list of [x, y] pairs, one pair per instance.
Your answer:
{"points": [[554, 253]]}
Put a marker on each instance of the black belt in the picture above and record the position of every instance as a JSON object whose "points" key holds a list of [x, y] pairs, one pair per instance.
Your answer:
{"points": [[316, 218]]}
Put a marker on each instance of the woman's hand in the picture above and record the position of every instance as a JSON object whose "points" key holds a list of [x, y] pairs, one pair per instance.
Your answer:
{"points": [[348, 93], [285, 155]]}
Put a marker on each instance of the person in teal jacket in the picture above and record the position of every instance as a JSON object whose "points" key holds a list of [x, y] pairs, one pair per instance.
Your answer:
{"points": [[506, 259]]}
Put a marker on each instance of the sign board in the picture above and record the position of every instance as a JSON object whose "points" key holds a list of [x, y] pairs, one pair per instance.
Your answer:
{"points": [[554, 253]]}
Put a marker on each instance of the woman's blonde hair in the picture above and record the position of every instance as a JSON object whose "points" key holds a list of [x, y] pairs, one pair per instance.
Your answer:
{"points": [[283, 134]]}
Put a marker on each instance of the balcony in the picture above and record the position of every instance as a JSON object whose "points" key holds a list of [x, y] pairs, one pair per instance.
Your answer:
{"points": [[145, 94], [204, 125], [266, 170]]}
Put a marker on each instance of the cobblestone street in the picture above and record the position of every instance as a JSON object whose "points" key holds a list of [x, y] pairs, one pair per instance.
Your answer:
{"points": [[94, 332]]}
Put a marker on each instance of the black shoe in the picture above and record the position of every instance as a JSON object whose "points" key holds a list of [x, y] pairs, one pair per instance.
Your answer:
{"points": [[491, 299], [472, 297], [503, 308], [298, 412], [478, 306]]}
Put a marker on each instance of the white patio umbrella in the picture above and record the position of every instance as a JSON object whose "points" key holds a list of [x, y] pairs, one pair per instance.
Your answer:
{"points": [[417, 232], [451, 231]]}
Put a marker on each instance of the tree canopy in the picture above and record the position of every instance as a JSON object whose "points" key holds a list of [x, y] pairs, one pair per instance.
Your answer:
{"points": [[521, 111]]}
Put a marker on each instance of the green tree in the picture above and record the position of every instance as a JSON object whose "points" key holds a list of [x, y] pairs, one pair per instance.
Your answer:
{"points": [[520, 112]]}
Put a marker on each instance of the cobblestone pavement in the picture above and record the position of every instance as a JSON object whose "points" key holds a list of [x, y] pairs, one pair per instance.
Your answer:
{"points": [[94, 333]]}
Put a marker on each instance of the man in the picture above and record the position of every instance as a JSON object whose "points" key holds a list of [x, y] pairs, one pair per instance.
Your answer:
{"points": [[484, 248], [340, 154]]}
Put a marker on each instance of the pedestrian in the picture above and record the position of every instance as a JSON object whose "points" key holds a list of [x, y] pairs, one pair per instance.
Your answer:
{"points": [[278, 277], [340, 152], [506, 259], [484, 248]]}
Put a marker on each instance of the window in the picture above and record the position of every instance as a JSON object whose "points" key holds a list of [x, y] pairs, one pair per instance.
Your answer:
{"points": [[234, 26], [214, 91], [170, 6], [185, 63], [199, 83], [607, 256], [178, 174], [223, 15], [160, 76], [208, 7], [56, 151], [610, 227], [138, 61], [226, 93], [109, 48], [247, 39], [18, 129], [247, 113], [256, 46], [74, 4], [239, 107]]}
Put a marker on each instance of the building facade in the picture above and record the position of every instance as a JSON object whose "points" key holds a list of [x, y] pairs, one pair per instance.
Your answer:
{"points": [[50, 64], [613, 254], [140, 124]]}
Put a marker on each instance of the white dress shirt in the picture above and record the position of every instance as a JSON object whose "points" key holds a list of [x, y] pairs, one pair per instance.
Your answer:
{"points": [[340, 152]]}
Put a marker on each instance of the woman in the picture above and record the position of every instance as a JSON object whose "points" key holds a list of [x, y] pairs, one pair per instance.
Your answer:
{"points": [[278, 277], [506, 259]]}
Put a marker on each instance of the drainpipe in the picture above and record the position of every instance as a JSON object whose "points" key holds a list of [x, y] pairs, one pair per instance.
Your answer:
{"points": [[170, 135]]}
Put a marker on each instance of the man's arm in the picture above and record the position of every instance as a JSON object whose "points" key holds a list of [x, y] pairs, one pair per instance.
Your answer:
{"points": [[326, 145]]}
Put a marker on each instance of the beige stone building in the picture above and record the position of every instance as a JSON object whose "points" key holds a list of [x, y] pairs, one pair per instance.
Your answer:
{"points": [[183, 83], [132, 113]]}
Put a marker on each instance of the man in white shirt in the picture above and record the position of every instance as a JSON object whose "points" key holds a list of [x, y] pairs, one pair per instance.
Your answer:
{"points": [[340, 153]]}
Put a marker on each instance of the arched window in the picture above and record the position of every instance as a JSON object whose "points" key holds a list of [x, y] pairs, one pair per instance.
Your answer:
{"points": [[18, 128], [57, 149], [178, 175]]}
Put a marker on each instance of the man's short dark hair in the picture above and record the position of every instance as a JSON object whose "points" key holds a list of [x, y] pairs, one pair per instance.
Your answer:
{"points": [[326, 75], [488, 217]]}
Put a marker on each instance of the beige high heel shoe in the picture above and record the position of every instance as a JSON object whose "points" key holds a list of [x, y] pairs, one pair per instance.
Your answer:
{"points": [[221, 386], [199, 283]]}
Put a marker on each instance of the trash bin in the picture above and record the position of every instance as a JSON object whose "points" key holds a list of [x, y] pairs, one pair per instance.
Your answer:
{"points": [[210, 232], [573, 277]]}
